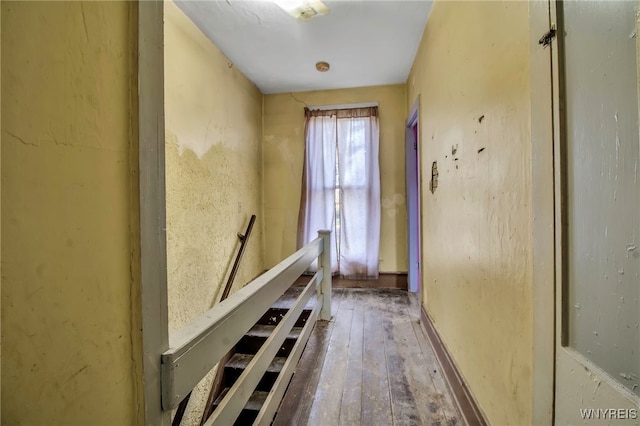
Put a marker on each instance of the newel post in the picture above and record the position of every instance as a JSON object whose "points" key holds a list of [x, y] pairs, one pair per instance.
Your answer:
{"points": [[324, 262]]}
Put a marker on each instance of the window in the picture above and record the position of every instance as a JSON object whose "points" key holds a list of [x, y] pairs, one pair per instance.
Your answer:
{"points": [[341, 187]]}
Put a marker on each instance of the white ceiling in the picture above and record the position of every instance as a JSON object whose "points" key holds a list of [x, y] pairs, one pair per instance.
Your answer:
{"points": [[366, 42]]}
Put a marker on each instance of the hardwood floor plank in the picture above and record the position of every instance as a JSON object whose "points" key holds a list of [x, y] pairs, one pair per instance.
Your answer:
{"points": [[447, 404], [376, 401], [295, 407], [377, 367], [429, 404], [328, 398], [404, 408], [351, 408]]}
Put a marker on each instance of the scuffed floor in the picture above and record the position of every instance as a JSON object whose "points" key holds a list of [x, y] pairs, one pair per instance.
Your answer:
{"points": [[370, 365]]}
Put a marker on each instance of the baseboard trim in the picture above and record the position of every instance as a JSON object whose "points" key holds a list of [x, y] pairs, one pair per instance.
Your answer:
{"points": [[467, 406], [392, 280], [396, 280]]}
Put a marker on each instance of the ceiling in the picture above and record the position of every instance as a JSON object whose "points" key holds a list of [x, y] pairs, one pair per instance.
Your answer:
{"points": [[366, 42]]}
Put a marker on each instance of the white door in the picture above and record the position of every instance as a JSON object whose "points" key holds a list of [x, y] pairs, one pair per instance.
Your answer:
{"points": [[598, 306]]}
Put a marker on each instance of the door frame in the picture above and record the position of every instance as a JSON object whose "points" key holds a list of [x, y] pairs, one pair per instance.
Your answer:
{"points": [[543, 169], [414, 224], [152, 203]]}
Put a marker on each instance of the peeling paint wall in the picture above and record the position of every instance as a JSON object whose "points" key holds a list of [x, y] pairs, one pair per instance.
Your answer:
{"points": [[284, 157], [472, 75], [213, 182], [70, 266]]}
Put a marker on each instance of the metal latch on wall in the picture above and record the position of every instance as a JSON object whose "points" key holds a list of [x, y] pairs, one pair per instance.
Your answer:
{"points": [[548, 37]]}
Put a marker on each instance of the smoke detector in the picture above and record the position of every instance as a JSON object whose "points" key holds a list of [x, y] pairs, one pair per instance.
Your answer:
{"points": [[303, 10], [322, 66]]}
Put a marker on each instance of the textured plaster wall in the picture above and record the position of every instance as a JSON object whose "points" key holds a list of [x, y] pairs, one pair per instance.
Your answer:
{"points": [[284, 157], [70, 265], [472, 75], [213, 180]]}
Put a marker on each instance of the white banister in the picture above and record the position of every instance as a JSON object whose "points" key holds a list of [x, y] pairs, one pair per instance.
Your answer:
{"points": [[232, 404], [196, 348], [274, 398], [324, 262]]}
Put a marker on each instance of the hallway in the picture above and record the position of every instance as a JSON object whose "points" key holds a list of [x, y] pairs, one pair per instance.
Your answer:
{"points": [[367, 366], [136, 147]]}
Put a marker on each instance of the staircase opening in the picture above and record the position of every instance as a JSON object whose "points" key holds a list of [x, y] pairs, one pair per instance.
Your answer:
{"points": [[251, 343]]}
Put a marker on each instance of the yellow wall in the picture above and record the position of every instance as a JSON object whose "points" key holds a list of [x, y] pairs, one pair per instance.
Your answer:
{"points": [[284, 157], [473, 62], [0, 213], [70, 297], [213, 165]]}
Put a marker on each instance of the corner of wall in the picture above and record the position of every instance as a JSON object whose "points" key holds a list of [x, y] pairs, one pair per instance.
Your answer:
{"points": [[135, 306]]}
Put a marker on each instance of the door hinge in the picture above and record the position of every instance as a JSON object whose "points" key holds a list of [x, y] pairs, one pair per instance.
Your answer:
{"points": [[548, 37]]}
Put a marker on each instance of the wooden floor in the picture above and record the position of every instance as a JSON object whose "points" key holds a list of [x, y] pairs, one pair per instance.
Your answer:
{"points": [[370, 365]]}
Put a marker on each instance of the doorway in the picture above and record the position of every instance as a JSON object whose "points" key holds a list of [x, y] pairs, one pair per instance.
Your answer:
{"points": [[412, 152]]}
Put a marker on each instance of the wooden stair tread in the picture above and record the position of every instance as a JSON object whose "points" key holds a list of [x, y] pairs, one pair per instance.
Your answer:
{"points": [[255, 402], [264, 331], [275, 314], [250, 344], [241, 361], [289, 297]]}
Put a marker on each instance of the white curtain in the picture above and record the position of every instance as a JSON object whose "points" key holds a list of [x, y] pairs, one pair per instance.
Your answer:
{"points": [[341, 188]]}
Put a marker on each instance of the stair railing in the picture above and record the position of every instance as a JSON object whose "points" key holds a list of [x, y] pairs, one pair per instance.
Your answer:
{"points": [[197, 347], [182, 407], [234, 270]]}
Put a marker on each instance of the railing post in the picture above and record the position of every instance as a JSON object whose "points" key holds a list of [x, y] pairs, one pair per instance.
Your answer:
{"points": [[324, 262]]}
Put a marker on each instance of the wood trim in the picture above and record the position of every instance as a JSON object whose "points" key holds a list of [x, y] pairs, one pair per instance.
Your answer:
{"points": [[414, 113], [414, 259], [543, 209], [234, 401], [268, 411], [324, 262], [153, 258], [464, 399], [296, 404], [196, 348], [393, 280]]}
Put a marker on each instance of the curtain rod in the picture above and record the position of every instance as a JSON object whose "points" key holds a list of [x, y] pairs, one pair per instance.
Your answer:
{"points": [[344, 106]]}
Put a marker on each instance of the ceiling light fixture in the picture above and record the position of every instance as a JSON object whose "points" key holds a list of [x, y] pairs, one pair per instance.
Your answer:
{"points": [[303, 10], [322, 66]]}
